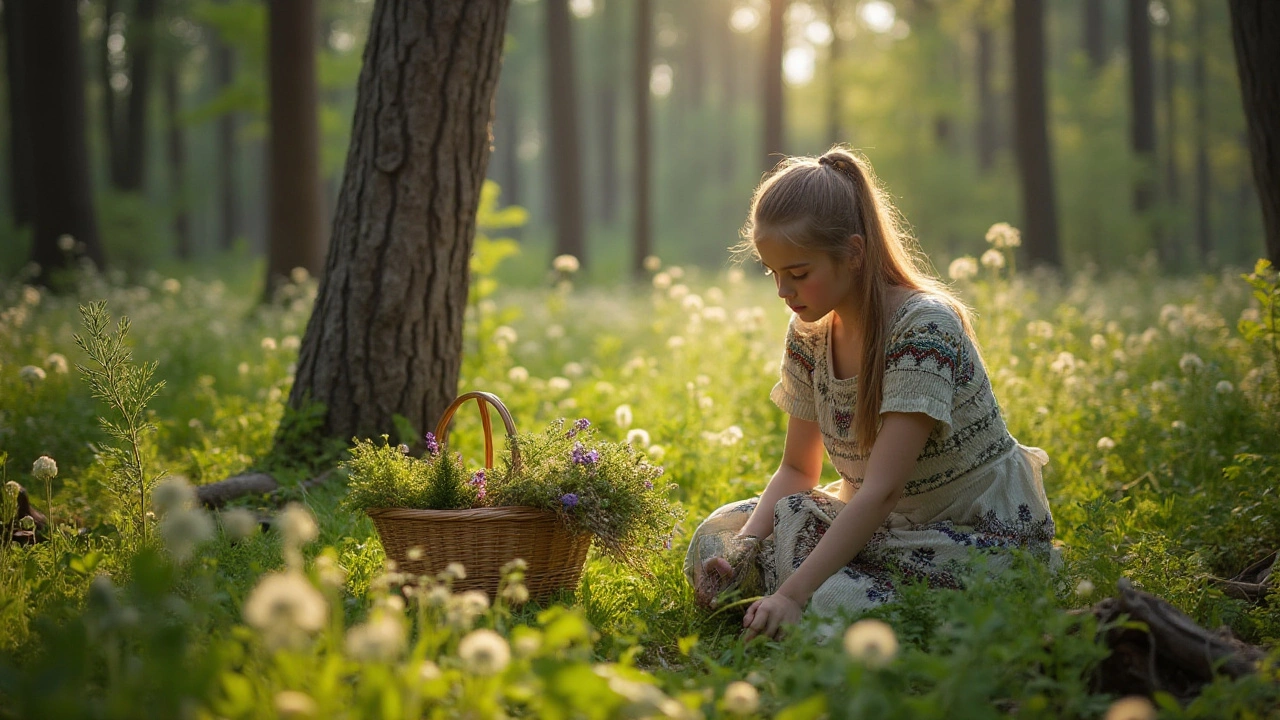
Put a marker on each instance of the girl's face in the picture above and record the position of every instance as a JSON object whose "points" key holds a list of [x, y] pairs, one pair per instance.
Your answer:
{"points": [[810, 282]]}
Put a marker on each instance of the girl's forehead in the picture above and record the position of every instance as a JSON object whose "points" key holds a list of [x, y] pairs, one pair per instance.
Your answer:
{"points": [[778, 250]]}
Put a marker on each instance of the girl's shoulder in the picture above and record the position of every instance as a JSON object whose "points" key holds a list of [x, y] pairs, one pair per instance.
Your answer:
{"points": [[924, 308]]}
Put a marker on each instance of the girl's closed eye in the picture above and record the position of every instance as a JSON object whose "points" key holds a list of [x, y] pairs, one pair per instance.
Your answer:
{"points": [[799, 276]]}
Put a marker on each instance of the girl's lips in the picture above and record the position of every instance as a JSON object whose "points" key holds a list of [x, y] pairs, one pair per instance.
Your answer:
{"points": [[797, 308]]}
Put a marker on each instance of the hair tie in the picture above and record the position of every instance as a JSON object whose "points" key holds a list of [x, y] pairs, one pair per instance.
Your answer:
{"points": [[840, 163]]}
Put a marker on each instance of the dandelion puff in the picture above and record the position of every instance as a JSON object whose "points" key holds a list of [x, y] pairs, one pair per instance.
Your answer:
{"points": [[622, 416], [731, 435], [871, 642], [962, 268], [656, 452], [661, 281], [1190, 363], [269, 344], [184, 530], [484, 652], [31, 374], [44, 468], [1084, 588], [1106, 444], [505, 335], [516, 593], [239, 523], [428, 671], [66, 243], [379, 640], [566, 264], [652, 263], [1134, 707], [285, 608], [741, 698], [330, 572], [675, 342], [172, 494], [559, 384], [555, 332], [518, 375], [57, 363], [454, 571], [1003, 235], [297, 525], [293, 704], [638, 438], [1224, 387], [992, 259], [572, 369], [1098, 342]]}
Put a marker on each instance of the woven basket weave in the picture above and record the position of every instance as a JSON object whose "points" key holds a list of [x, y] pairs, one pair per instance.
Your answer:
{"points": [[484, 539]]}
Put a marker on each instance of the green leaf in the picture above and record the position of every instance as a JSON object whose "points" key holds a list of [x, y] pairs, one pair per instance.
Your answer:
{"points": [[87, 563]]}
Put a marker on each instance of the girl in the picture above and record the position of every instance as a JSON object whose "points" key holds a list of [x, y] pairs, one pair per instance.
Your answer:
{"points": [[880, 368]]}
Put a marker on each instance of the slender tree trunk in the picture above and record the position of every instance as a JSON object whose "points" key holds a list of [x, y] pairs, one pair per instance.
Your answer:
{"points": [[987, 123], [1142, 127], [1095, 37], [385, 337], [642, 241], [107, 68], [1204, 241], [177, 156], [143, 30], [834, 89], [1254, 29], [227, 152], [20, 163], [607, 99], [54, 79], [1040, 223], [566, 159], [1173, 190], [774, 141], [506, 142], [295, 216]]}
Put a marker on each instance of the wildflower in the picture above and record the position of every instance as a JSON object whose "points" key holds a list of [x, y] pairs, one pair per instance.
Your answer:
{"points": [[31, 374], [678, 291], [675, 342], [428, 671], [572, 369], [1134, 707], [622, 416], [478, 481], [293, 704], [993, 259], [44, 468], [239, 523], [731, 435], [1098, 342], [1178, 425], [504, 335], [290, 342], [286, 609], [569, 500], [578, 425], [1224, 387], [1064, 363], [484, 652], [66, 243], [715, 314], [656, 452], [582, 456], [183, 530], [516, 593], [638, 438], [692, 302], [299, 275], [518, 375], [1190, 363], [661, 281], [962, 268], [566, 264], [526, 641], [872, 642], [735, 275], [555, 332], [330, 572], [379, 640], [269, 344], [706, 402], [1106, 444], [1040, 329], [463, 608], [57, 362], [652, 263], [433, 446], [298, 525], [1084, 588], [559, 384], [403, 449], [1158, 386], [1003, 235], [741, 698], [454, 571]]}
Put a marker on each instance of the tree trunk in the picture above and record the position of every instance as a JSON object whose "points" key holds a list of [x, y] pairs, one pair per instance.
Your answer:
{"points": [[295, 235], [385, 337], [834, 93], [566, 160], [773, 95], [54, 77], [607, 97], [1258, 64], [987, 130], [1173, 190], [1142, 127], [229, 205], [143, 30], [20, 163], [177, 156], [1095, 37], [1039, 208], [642, 242], [106, 66], [1204, 240], [506, 142]]}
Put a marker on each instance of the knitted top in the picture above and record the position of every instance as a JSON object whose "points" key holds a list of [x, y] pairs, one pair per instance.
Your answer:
{"points": [[931, 367]]}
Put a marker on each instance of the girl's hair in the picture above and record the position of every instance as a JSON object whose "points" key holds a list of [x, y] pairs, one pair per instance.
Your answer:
{"points": [[820, 204]]}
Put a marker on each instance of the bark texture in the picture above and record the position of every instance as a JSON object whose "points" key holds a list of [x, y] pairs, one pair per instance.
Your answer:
{"points": [[566, 148], [229, 201], [385, 337], [20, 164], [1255, 25], [642, 241], [1204, 180], [1035, 166]]}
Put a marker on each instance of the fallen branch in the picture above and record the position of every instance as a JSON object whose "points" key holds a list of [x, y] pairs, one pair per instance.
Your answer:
{"points": [[217, 494]]}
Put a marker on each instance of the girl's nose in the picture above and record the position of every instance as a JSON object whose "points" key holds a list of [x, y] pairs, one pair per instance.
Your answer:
{"points": [[785, 290]]}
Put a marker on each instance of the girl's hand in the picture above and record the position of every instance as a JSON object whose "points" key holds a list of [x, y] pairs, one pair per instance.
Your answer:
{"points": [[767, 615]]}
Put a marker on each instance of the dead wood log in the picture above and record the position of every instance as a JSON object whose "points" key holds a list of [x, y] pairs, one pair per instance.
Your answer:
{"points": [[1253, 583], [1168, 652], [216, 494]]}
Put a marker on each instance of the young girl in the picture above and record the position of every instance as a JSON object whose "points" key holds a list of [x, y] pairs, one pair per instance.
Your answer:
{"points": [[880, 368]]}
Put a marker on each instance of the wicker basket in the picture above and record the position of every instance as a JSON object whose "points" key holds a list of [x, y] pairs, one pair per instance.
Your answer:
{"points": [[485, 539]]}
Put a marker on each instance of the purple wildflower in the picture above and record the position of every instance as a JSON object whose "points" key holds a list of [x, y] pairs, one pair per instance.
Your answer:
{"points": [[579, 424], [648, 485], [433, 447], [583, 456], [569, 500], [478, 478]]}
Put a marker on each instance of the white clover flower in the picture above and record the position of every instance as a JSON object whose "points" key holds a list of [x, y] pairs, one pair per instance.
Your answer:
{"points": [[555, 332], [172, 494], [622, 416], [638, 438], [572, 369], [66, 243], [269, 344], [238, 523], [1098, 342], [454, 571], [484, 652], [171, 286], [1084, 588], [505, 335], [559, 384], [678, 292], [518, 375], [1105, 443], [1134, 707], [675, 342], [31, 374], [715, 314], [1190, 363], [652, 263], [286, 609], [705, 402], [330, 572], [57, 363], [379, 640], [871, 642], [741, 698], [656, 453], [691, 302], [661, 281], [291, 704], [962, 268], [993, 259], [1004, 235], [290, 342], [44, 468], [1224, 387], [1040, 329], [731, 435], [184, 530], [565, 264], [1064, 363]]}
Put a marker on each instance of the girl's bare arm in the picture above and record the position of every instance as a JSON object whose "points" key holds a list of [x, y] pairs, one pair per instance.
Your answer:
{"points": [[799, 471]]}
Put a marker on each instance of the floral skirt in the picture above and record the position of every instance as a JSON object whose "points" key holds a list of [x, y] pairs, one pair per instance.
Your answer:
{"points": [[936, 552]]}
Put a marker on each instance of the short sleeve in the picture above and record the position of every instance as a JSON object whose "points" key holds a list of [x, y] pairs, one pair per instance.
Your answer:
{"points": [[926, 359], [794, 390]]}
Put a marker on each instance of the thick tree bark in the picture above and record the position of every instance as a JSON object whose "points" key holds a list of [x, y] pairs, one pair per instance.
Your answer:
{"points": [[641, 243], [1039, 206], [176, 153], [987, 129], [773, 98], [1258, 64], [1095, 34], [1204, 241], [229, 201], [20, 164], [566, 152], [143, 30], [385, 337], [1173, 189], [59, 149], [295, 233], [607, 97]]}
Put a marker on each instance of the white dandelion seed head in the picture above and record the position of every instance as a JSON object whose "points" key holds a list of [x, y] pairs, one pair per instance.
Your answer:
{"points": [[299, 275], [330, 571], [1190, 363], [66, 243], [44, 468], [453, 571], [678, 291], [1178, 425], [676, 272], [992, 259], [243, 368], [31, 374], [652, 263], [566, 264], [172, 494], [171, 286], [1098, 342], [56, 363], [731, 435], [1105, 443], [484, 652], [516, 593], [518, 375], [555, 332], [622, 416], [428, 671], [381, 639], [715, 314], [559, 384], [871, 642], [675, 342], [714, 295], [290, 342], [286, 609], [741, 698], [238, 523], [1134, 707], [1004, 235], [705, 402], [692, 302], [1084, 588], [184, 530], [462, 609], [638, 438], [1064, 363], [297, 525], [572, 369], [661, 281], [527, 644], [1224, 387], [269, 344], [962, 268], [504, 336], [735, 276], [295, 705], [656, 453], [1169, 313]]}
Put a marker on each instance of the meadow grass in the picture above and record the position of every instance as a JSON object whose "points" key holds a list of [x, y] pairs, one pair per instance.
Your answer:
{"points": [[1159, 416]]}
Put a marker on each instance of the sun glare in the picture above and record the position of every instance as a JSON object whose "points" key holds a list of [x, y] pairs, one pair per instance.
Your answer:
{"points": [[878, 15], [744, 19], [798, 65]]}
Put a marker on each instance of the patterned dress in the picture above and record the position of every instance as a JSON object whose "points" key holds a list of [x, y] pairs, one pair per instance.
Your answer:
{"points": [[974, 488]]}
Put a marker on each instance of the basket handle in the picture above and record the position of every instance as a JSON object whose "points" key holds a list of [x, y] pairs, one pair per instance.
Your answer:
{"points": [[442, 428]]}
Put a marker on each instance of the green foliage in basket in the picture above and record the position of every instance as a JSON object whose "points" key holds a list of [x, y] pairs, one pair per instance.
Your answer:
{"points": [[385, 475]]}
